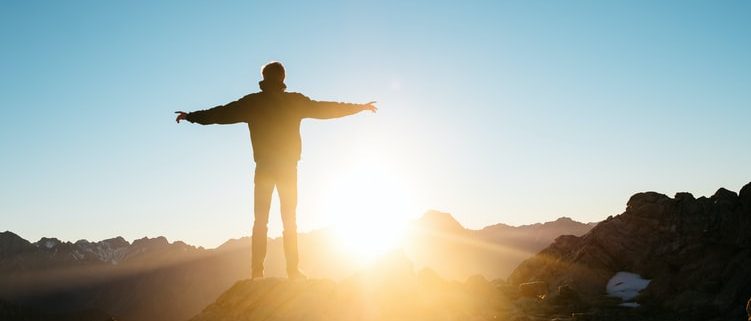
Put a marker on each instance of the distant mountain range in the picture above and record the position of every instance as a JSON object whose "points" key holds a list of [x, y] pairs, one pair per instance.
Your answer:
{"points": [[439, 242], [149, 279], [154, 280]]}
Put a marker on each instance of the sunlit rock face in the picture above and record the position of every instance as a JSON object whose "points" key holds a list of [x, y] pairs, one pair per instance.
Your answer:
{"points": [[695, 251], [390, 290]]}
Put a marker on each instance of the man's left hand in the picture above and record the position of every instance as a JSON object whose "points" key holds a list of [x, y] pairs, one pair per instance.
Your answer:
{"points": [[370, 106]]}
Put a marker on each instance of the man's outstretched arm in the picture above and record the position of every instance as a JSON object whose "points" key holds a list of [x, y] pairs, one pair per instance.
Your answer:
{"points": [[227, 114], [329, 109]]}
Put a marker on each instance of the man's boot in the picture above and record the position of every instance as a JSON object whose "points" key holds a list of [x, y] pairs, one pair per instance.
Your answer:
{"points": [[258, 253], [290, 253]]}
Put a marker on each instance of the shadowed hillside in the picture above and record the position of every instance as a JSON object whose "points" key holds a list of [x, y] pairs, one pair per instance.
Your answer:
{"points": [[149, 279], [12, 312]]}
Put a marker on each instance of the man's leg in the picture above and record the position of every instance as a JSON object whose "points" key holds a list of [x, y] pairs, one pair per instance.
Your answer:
{"points": [[287, 188], [263, 188]]}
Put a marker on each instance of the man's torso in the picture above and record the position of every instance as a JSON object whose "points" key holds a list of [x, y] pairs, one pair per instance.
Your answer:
{"points": [[274, 124]]}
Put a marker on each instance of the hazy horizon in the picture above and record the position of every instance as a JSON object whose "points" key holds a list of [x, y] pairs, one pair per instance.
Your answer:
{"points": [[318, 229], [512, 112]]}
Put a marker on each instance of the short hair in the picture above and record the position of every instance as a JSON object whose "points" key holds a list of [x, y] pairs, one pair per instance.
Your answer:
{"points": [[273, 71]]}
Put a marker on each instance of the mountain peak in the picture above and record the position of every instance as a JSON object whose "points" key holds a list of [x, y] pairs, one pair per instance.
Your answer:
{"points": [[439, 221], [11, 244], [47, 242], [561, 221], [158, 241], [565, 221], [8, 235], [116, 242]]}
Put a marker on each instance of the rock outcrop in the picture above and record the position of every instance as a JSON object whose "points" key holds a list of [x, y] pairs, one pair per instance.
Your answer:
{"points": [[695, 251], [389, 291]]}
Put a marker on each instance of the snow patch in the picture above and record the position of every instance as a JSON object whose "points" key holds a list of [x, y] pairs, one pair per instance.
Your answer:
{"points": [[49, 244], [106, 251], [77, 255], [626, 285]]}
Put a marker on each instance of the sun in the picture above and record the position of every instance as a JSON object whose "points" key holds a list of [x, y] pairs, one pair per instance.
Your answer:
{"points": [[370, 208]]}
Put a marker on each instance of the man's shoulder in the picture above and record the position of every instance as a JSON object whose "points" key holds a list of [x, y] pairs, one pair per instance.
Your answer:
{"points": [[296, 95], [252, 95], [286, 95]]}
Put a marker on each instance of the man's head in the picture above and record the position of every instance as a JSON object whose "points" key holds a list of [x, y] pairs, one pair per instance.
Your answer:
{"points": [[273, 72]]}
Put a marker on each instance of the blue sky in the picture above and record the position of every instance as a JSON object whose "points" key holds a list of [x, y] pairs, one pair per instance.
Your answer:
{"points": [[514, 112]]}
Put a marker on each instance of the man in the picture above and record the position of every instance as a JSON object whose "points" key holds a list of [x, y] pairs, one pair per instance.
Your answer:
{"points": [[273, 117]]}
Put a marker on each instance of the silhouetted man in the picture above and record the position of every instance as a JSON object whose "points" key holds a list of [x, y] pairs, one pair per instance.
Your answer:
{"points": [[273, 117]]}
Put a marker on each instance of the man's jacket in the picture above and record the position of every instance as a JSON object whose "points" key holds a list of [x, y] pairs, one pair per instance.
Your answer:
{"points": [[274, 120]]}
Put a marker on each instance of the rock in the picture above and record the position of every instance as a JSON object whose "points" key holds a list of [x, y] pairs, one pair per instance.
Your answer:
{"points": [[565, 301], [386, 292], [683, 196], [696, 251], [725, 200], [724, 194], [536, 289], [644, 198], [745, 196]]}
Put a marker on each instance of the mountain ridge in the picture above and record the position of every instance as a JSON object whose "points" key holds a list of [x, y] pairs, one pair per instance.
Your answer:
{"points": [[59, 275], [433, 218]]}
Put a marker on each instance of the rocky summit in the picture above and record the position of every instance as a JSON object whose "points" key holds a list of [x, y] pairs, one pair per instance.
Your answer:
{"points": [[391, 291], [694, 255]]}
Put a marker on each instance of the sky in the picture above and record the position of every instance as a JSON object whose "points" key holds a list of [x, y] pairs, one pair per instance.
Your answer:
{"points": [[495, 111]]}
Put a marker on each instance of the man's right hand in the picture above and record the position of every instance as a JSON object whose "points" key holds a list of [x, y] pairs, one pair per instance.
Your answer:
{"points": [[181, 115]]}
